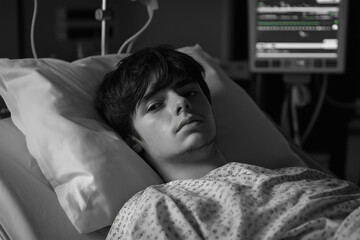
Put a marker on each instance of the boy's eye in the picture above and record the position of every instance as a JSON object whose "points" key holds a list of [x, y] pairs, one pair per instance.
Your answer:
{"points": [[191, 93], [153, 107]]}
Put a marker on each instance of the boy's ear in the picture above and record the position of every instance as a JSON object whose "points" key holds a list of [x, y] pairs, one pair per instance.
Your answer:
{"points": [[134, 144]]}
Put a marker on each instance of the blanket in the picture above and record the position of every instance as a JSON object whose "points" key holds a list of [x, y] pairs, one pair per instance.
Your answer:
{"points": [[240, 201]]}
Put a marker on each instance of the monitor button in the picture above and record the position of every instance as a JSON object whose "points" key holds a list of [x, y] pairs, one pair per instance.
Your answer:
{"points": [[331, 63], [302, 63], [318, 63], [262, 64], [276, 64]]}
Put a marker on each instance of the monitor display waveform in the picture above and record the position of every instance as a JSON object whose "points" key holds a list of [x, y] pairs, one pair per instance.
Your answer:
{"points": [[309, 27]]}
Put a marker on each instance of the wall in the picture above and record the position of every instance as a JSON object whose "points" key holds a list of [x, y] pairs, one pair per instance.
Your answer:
{"points": [[9, 40], [177, 22], [187, 22]]}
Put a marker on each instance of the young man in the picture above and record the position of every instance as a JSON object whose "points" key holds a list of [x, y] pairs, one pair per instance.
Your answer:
{"points": [[159, 103]]}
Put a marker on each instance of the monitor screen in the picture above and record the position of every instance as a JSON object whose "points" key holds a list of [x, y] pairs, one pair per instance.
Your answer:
{"points": [[297, 36]]}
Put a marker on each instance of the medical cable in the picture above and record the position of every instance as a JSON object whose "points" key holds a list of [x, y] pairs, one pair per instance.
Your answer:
{"points": [[136, 36], [132, 39], [284, 115], [32, 30], [294, 103], [151, 5], [317, 110]]}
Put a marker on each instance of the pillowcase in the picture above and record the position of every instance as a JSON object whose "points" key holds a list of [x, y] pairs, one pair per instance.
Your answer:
{"points": [[92, 170]]}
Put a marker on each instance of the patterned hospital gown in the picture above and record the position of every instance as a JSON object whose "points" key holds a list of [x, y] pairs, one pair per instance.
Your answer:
{"points": [[240, 201]]}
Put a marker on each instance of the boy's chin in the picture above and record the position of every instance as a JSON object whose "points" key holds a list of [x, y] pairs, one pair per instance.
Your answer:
{"points": [[196, 141]]}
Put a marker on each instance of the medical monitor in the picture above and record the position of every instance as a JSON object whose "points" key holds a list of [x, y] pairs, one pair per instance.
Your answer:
{"points": [[297, 36]]}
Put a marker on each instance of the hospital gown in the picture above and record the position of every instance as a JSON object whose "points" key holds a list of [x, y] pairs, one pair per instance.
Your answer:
{"points": [[240, 201]]}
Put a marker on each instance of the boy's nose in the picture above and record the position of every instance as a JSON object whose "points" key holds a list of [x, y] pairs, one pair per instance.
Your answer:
{"points": [[182, 105]]}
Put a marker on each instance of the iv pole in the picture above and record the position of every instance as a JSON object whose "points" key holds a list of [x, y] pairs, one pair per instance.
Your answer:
{"points": [[104, 16]]}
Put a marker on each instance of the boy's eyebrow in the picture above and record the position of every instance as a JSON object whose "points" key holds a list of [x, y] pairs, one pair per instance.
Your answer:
{"points": [[184, 82], [148, 95], [153, 91]]}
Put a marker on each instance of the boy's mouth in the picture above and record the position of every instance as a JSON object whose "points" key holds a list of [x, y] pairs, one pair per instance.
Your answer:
{"points": [[186, 121]]}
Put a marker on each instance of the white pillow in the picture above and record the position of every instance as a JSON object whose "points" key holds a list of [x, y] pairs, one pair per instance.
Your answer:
{"points": [[29, 208], [91, 169]]}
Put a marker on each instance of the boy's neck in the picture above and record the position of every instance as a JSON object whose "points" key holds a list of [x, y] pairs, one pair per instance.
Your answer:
{"points": [[191, 168]]}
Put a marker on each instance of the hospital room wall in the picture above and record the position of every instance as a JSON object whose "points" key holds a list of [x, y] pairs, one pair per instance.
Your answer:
{"points": [[60, 33], [9, 39]]}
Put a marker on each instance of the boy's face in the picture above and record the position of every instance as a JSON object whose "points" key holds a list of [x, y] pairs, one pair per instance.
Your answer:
{"points": [[175, 121]]}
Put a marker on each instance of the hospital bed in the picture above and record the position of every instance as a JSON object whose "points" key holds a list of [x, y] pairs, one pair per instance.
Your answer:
{"points": [[65, 174]]}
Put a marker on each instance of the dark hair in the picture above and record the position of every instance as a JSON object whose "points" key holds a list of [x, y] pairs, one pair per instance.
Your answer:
{"points": [[123, 88]]}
